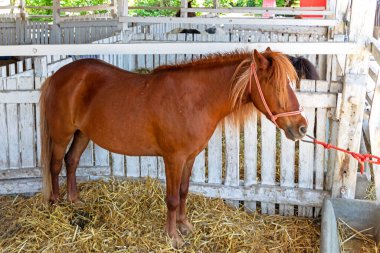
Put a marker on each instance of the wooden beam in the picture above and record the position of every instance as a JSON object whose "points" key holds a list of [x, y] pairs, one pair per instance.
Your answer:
{"points": [[153, 8], [306, 99], [88, 8], [360, 30], [39, 7], [263, 193], [247, 21], [374, 133], [177, 48], [258, 11], [82, 171]]}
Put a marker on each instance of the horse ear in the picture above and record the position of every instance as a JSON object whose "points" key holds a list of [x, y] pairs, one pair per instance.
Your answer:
{"points": [[261, 62], [268, 49]]}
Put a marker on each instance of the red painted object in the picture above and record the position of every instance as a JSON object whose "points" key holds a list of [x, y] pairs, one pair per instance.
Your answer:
{"points": [[312, 3], [268, 3]]}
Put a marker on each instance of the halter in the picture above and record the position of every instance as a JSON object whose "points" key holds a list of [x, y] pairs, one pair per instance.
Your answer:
{"points": [[272, 117]]}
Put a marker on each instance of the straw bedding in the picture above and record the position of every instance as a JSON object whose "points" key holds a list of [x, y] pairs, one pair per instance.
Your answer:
{"points": [[129, 216], [352, 240]]}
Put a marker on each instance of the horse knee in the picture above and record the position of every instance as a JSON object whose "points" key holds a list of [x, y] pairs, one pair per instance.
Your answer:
{"points": [[172, 202]]}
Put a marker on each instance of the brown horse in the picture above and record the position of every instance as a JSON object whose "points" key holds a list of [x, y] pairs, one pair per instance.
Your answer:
{"points": [[171, 112]]}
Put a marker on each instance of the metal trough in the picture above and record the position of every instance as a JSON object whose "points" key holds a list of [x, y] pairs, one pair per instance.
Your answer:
{"points": [[359, 214]]}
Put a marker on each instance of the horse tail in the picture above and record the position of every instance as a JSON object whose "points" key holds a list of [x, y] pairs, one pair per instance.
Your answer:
{"points": [[46, 144]]}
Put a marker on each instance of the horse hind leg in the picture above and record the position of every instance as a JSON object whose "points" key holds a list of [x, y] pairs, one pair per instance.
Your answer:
{"points": [[72, 157], [58, 151]]}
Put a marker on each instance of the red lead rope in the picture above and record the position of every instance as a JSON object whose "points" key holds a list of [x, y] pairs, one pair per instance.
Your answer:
{"points": [[361, 158]]}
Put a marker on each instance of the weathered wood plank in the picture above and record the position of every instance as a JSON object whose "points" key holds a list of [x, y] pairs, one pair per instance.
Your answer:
{"points": [[133, 166], [36, 172], [268, 159], [349, 134], [250, 156], [41, 73], [3, 124], [306, 151], [13, 127], [287, 168], [199, 169], [263, 193], [232, 156], [307, 99], [148, 166], [27, 123], [214, 156], [161, 168], [374, 129], [101, 156], [87, 157], [117, 165], [320, 154]]}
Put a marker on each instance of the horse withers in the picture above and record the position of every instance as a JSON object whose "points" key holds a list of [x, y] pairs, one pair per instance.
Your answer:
{"points": [[171, 112]]}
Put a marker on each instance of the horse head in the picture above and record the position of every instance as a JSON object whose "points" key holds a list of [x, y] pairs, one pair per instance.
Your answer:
{"points": [[278, 101]]}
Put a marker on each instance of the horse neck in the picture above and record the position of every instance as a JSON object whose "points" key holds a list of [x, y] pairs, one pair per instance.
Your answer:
{"points": [[218, 89]]}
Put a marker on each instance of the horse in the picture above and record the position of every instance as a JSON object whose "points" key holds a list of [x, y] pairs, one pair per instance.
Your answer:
{"points": [[171, 112], [304, 68]]}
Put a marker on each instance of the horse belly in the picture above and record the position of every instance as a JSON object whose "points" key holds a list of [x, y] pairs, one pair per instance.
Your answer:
{"points": [[133, 143], [123, 133]]}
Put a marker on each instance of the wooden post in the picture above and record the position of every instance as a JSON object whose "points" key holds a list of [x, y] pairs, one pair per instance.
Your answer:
{"points": [[374, 133], [122, 11], [184, 5], [56, 29], [56, 11], [357, 23], [22, 9]]}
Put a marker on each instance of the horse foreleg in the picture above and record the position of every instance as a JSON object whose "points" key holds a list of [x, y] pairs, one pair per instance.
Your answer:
{"points": [[183, 224], [72, 157], [173, 171]]}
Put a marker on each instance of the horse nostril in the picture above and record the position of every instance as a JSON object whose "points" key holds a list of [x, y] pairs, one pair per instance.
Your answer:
{"points": [[303, 130]]}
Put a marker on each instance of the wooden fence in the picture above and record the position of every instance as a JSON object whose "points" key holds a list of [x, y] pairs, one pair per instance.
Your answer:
{"points": [[18, 32]]}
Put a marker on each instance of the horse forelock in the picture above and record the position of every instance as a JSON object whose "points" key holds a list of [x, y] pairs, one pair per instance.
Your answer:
{"points": [[281, 72]]}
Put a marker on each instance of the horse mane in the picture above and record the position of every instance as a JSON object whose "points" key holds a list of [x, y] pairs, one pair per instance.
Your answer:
{"points": [[215, 59], [281, 71]]}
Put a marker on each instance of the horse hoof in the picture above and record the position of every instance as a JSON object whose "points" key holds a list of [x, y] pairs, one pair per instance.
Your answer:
{"points": [[185, 228], [53, 200], [78, 204], [176, 242]]}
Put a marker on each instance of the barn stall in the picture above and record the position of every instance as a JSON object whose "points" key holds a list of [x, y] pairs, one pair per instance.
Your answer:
{"points": [[257, 168]]}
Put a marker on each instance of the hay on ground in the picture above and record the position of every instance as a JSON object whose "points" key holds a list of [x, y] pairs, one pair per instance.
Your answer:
{"points": [[129, 216], [352, 240]]}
